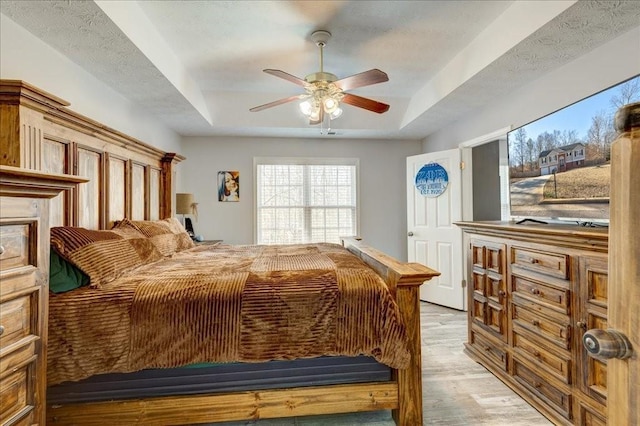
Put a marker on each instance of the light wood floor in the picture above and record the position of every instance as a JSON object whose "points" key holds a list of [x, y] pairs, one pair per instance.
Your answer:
{"points": [[457, 391]]}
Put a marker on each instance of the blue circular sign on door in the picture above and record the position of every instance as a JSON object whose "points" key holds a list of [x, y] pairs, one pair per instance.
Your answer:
{"points": [[432, 180]]}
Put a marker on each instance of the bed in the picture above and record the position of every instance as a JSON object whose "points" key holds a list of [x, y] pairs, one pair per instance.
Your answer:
{"points": [[129, 178], [320, 314]]}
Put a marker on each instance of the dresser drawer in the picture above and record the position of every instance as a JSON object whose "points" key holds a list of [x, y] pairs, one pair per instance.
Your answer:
{"points": [[528, 347], [14, 240], [552, 394], [558, 333], [27, 420], [591, 417], [18, 356], [552, 264], [490, 349], [538, 293], [15, 319], [17, 280], [15, 394]]}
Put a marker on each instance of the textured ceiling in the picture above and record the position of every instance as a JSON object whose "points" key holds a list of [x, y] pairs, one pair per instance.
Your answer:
{"points": [[197, 65]]}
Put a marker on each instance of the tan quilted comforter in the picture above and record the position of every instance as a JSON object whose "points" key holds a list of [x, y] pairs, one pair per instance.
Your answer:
{"points": [[226, 303]]}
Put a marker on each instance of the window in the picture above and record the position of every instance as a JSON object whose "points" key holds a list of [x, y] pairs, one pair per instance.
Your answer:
{"points": [[305, 200]]}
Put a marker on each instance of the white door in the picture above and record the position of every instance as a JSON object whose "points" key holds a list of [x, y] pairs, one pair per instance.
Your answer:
{"points": [[433, 239]]}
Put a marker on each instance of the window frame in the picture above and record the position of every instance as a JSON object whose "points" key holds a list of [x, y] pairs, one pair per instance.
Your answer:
{"points": [[304, 161]]}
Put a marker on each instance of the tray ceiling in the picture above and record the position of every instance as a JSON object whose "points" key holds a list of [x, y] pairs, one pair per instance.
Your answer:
{"points": [[198, 65]]}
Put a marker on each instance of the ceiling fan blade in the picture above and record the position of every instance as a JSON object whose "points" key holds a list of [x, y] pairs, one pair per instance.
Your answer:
{"points": [[366, 78], [287, 76], [368, 104], [278, 102]]}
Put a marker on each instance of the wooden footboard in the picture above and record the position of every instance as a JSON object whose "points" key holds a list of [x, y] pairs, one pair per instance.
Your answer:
{"points": [[403, 394], [404, 281]]}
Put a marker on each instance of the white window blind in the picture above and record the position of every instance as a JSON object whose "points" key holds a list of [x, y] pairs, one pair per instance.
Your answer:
{"points": [[305, 203]]}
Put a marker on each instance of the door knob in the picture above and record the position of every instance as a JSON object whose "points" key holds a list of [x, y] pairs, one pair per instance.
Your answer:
{"points": [[606, 344], [410, 234]]}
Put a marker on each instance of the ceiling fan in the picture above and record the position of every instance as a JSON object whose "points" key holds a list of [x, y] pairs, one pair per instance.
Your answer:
{"points": [[324, 92]]}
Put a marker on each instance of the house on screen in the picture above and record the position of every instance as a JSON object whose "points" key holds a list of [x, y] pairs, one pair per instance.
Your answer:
{"points": [[561, 159]]}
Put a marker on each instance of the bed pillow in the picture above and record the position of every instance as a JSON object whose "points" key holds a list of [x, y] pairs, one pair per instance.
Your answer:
{"points": [[103, 255], [167, 235], [63, 275]]}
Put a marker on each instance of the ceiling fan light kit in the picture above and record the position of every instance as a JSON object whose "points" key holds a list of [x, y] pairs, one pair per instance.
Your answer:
{"points": [[324, 92]]}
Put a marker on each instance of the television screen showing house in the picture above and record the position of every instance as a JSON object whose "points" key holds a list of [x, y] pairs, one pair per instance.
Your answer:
{"points": [[559, 165]]}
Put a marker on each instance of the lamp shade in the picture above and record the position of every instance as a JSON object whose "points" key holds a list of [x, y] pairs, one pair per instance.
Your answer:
{"points": [[184, 203]]}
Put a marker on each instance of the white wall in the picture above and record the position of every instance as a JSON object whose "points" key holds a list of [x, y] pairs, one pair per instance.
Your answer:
{"points": [[383, 221], [597, 70], [25, 57]]}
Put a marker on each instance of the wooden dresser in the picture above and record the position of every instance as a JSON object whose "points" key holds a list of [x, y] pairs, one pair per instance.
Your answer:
{"points": [[533, 291], [24, 274]]}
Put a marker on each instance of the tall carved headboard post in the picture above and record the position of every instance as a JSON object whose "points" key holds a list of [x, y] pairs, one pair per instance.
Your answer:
{"points": [[23, 108], [167, 188]]}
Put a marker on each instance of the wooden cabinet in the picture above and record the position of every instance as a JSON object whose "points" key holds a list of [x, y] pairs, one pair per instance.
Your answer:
{"points": [[489, 303], [533, 292], [592, 313], [24, 272]]}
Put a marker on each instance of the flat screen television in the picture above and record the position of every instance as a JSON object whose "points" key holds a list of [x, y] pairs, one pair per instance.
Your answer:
{"points": [[559, 165]]}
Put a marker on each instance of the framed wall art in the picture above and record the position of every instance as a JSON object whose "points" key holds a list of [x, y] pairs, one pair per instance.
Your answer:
{"points": [[229, 186]]}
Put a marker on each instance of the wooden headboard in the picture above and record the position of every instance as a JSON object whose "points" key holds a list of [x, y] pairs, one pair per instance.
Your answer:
{"points": [[127, 177]]}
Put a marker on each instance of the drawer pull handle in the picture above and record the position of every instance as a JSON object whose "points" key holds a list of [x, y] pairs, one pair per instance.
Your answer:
{"points": [[534, 261], [582, 324], [535, 291], [537, 385], [535, 322], [536, 353], [502, 293], [487, 348], [1, 330], [1, 250]]}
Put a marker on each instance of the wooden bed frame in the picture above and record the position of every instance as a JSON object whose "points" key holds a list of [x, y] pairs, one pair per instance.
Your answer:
{"points": [[129, 178], [403, 394]]}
